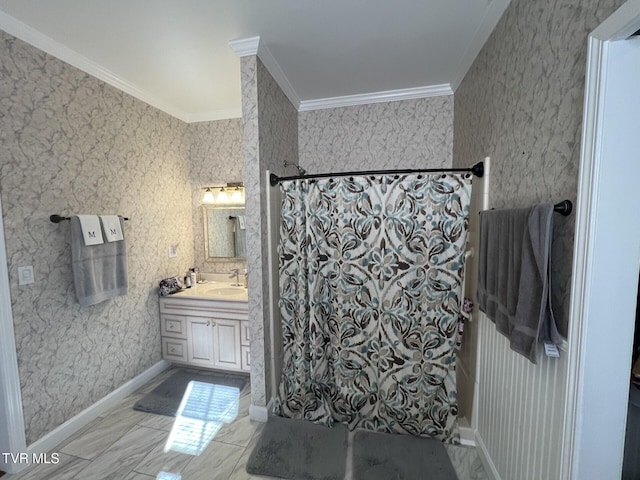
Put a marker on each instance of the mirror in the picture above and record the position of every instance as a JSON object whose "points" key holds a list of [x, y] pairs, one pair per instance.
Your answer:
{"points": [[225, 237]]}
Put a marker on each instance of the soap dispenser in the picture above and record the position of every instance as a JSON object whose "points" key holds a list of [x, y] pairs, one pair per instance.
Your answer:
{"points": [[246, 278]]}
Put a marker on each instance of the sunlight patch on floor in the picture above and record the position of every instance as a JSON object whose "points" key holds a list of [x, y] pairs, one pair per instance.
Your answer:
{"points": [[204, 408]]}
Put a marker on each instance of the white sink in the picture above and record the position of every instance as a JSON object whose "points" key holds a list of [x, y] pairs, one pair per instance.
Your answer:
{"points": [[226, 291]]}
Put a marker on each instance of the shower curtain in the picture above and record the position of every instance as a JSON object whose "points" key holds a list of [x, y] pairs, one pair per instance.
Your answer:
{"points": [[371, 269]]}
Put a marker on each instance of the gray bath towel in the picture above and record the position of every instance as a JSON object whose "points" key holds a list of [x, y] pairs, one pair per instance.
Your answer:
{"points": [[514, 287], [99, 271]]}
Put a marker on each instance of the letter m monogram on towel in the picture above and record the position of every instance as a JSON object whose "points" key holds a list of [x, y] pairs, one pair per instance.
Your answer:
{"points": [[112, 228], [91, 231]]}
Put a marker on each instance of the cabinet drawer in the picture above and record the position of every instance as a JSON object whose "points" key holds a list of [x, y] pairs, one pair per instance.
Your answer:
{"points": [[246, 358], [174, 349], [173, 326], [244, 333]]}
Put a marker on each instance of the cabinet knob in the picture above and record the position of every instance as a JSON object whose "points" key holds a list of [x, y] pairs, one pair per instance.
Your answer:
{"points": [[208, 323], [213, 324]]}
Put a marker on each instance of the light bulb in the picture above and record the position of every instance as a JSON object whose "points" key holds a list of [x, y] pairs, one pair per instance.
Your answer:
{"points": [[208, 196], [236, 196], [222, 196]]}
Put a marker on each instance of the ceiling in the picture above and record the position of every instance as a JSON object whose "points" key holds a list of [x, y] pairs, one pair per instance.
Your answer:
{"points": [[175, 55]]}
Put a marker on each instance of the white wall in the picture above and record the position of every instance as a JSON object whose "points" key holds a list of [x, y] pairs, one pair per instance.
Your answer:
{"points": [[12, 438]]}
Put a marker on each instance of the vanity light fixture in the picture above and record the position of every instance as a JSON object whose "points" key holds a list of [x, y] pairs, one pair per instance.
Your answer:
{"points": [[231, 193], [208, 196]]}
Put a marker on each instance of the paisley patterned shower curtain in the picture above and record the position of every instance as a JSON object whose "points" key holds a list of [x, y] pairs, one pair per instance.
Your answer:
{"points": [[371, 270]]}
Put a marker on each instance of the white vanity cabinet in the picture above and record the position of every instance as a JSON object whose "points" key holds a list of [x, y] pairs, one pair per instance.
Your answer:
{"points": [[210, 333]]}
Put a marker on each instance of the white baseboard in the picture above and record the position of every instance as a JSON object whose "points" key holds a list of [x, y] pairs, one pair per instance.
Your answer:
{"points": [[68, 428], [489, 466], [260, 413], [467, 436]]}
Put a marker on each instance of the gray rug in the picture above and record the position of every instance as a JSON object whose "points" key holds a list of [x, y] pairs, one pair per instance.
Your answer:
{"points": [[165, 398], [382, 456], [299, 450]]}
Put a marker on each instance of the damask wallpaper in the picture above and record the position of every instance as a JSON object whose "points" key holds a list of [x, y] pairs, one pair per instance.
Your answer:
{"points": [[403, 134], [216, 158], [71, 144], [270, 124]]}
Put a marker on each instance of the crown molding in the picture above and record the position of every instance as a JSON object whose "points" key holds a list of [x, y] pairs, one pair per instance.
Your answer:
{"points": [[245, 46], [376, 97], [253, 46]]}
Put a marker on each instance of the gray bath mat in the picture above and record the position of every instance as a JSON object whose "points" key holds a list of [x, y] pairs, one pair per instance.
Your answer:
{"points": [[299, 450], [383, 456], [165, 398]]}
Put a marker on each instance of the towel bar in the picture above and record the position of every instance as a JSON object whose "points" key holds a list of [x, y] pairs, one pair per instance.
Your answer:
{"points": [[55, 218], [564, 208]]}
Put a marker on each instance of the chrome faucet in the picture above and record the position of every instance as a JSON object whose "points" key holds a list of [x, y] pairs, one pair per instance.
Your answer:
{"points": [[236, 272]]}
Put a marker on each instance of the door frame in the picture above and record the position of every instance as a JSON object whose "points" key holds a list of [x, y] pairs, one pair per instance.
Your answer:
{"points": [[599, 357], [11, 413]]}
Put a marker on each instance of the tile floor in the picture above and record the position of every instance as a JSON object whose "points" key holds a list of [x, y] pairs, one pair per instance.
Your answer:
{"points": [[125, 444]]}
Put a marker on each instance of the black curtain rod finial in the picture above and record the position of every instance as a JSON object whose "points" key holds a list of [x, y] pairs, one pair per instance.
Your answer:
{"points": [[478, 169], [273, 179]]}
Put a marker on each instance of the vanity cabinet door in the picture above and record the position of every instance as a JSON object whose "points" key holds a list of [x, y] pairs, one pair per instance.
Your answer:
{"points": [[226, 344], [200, 341]]}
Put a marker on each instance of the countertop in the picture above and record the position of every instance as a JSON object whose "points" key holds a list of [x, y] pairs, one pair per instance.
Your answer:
{"points": [[214, 290]]}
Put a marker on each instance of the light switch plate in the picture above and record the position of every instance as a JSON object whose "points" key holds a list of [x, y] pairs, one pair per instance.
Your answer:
{"points": [[173, 251], [25, 275]]}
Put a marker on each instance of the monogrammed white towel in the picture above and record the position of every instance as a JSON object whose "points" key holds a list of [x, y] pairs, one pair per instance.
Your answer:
{"points": [[112, 228], [91, 231]]}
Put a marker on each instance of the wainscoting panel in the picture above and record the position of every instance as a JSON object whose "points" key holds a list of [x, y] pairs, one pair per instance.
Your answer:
{"points": [[520, 409]]}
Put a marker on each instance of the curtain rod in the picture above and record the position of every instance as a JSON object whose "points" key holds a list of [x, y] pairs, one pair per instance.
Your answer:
{"points": [[477, 170], [55, 218]]}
